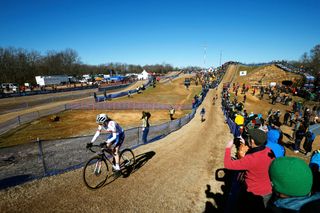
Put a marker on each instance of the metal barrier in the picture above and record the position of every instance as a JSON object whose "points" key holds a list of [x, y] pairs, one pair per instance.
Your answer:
{"points": [[44, 158], [28, 117]]}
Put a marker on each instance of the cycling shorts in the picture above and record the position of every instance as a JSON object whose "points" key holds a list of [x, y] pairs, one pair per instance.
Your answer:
{"points": [[119, 139]]}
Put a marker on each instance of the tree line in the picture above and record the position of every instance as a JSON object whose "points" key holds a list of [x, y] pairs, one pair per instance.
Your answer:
{"points": [[18, 65], [310, 62]]}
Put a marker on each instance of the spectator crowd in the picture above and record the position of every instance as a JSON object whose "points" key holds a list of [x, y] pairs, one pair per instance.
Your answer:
{"points": [[265, 179]]}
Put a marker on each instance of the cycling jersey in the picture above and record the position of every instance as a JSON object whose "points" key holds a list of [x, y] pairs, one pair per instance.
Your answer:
{"points": [[117, 133]]}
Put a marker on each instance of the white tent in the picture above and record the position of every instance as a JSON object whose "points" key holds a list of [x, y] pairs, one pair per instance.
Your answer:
{"points": [[144, 75]]}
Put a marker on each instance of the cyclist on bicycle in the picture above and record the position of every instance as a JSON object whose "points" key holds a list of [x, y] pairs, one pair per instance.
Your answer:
{"points": [[202, 113], [116, 138]]}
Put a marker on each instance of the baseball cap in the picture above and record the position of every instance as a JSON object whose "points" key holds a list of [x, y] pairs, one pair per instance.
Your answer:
{"points": [[259, 136]]}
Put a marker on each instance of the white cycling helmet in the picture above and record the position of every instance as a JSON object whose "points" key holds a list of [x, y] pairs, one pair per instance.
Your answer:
{"points": [[101, 118]]}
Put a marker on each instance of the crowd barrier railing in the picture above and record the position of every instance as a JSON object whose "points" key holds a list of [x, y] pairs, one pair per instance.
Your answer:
{"points": [[44, 158]]}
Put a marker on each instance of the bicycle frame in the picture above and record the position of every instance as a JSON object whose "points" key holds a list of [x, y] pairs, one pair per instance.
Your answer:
{"points": [[105, 153], [97, 169]]}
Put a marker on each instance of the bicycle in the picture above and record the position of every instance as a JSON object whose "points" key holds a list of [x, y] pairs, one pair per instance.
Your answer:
{"points": [[99, 167]]}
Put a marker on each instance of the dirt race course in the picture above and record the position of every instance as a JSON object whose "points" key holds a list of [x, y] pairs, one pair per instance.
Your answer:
{"points": [[175, 174]]}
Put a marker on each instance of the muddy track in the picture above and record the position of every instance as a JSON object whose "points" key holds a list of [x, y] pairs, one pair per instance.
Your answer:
{"points": [[173, 175]]}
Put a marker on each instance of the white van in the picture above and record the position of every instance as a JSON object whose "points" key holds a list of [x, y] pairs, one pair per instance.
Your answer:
{"points": [[9, 87]]}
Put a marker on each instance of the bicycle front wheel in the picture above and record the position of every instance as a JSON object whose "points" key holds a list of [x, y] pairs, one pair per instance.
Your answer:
{"points": [[127, 162], [95, 172]]}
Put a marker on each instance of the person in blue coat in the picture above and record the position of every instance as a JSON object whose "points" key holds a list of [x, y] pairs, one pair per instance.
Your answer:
{"points": [[277, 149], [273, 139], [274, 132]]}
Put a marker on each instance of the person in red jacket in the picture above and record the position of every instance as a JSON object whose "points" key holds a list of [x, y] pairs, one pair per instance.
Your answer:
{"points": [[257, 188]]}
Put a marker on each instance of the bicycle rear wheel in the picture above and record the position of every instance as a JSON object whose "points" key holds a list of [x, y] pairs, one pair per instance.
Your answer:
{"points": [[127, 162], [96, 172]]}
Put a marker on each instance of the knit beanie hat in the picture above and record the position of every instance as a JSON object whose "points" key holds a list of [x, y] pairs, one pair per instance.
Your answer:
{"points": [[290, 176], [258, 136]]}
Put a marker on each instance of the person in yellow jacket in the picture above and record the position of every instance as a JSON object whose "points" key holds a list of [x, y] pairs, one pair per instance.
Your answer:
{"points": [[239, 120]]}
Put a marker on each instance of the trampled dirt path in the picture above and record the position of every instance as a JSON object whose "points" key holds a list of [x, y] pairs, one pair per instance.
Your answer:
{"points": [[174, 175]]}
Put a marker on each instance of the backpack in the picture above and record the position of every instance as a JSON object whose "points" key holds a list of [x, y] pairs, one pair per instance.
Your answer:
{"points": [[148, 114]]}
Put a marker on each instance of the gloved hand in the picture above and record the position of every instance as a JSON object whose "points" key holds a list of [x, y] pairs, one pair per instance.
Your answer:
{"points": [[89, 145]]}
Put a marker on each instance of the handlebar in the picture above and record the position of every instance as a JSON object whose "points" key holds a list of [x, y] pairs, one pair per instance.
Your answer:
{"points": [[102, 147]]}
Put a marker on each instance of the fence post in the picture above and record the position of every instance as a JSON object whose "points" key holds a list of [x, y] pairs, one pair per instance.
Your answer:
{"points": [[41, 157], [138, 135]]}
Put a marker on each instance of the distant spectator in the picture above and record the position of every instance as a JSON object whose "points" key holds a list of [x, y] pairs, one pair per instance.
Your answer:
{"points": [[306, 118], [307, 145], [292, 118], [245, 114], [292, 182], [138, 90], [263, 126], [94, 96], [273, 99], [171, 113], [213, 100], [276, 115], [286, 117], [145, 125], [296, 127], [299, 135], [202, 114]]}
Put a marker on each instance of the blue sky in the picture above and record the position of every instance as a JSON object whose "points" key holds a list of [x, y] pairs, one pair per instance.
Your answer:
{"points": [[156, 31]]}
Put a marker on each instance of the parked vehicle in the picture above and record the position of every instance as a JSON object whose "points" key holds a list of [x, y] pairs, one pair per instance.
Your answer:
{"points": [[52, 80], [10, 87]]}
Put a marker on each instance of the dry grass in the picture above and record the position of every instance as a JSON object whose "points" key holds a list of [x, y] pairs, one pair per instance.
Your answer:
{"points": [[271, 73], [171, 92], [82, 122], [74, 123]]}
